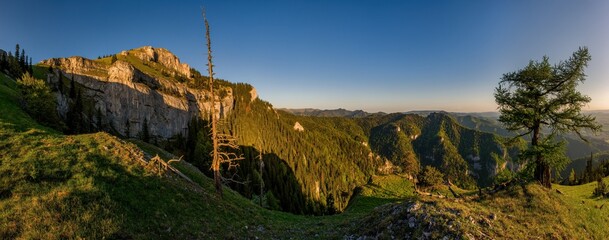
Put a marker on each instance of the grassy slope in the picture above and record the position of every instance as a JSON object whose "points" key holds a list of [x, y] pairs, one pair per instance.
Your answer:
{"points": [[55, 186], [511, 214], [592, 213]]}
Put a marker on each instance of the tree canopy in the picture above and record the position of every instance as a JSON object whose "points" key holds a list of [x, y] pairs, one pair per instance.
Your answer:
{"points": [[542, 100]]}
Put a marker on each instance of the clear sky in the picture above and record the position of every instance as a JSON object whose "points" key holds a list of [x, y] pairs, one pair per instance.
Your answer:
{"points": [[372, 55]]}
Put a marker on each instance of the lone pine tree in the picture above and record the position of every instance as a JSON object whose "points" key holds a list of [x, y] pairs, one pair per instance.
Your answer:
{"points": [[542, 96]]}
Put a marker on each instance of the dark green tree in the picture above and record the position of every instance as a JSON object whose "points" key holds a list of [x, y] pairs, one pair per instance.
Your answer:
{"points": [[31, 66], [430, 176], [588, 173], [17, 52], [13, 64], [3, 64], [601, 188], [572, 177], [542, 96], [23, 60], [39, 102]]}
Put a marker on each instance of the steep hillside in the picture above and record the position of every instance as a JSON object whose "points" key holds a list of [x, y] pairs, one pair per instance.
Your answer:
{"points": [[97, 186], [463, 154], [311, 164]]}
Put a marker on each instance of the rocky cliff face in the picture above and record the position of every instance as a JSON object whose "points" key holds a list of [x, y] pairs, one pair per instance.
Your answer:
{"points": [[126, 95], [160, 55]]}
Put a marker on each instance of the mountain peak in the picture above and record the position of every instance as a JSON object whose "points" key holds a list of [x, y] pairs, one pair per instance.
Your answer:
{"points": [[159, 55], [156, 62]]}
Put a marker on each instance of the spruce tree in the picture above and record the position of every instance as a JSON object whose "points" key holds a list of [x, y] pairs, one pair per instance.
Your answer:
{"points": [[3, 62], [31, 67], [601, 188], [542, 96], [23, 61], [572, 177], [17, 51]]}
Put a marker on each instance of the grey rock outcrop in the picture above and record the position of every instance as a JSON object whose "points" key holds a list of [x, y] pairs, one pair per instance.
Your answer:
{"points": [[126, 96], [162, 56]]}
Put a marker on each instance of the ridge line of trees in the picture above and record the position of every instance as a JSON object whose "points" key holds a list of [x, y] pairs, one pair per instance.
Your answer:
{"points": [[17, 63]]}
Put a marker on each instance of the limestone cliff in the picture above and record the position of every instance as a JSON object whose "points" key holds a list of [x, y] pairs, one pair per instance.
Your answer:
{"points": [[127, 93], [160, 55]]}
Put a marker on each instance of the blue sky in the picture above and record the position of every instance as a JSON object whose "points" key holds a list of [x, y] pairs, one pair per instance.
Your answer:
{"points": [[373, 55]]}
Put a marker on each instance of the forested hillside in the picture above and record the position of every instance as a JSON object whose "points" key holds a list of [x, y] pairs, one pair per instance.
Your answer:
{"points": [[313, 168], [466, 156], [577, 150], [313, 164]]}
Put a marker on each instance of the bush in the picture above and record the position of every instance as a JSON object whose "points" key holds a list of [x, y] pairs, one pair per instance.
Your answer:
{"points": [[430, 176], [504, 176], [39, 102], [601, 188], [272, 201]]}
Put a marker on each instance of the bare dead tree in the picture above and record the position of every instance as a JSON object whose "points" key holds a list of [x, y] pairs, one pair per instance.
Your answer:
{"points": [[224, 145]]}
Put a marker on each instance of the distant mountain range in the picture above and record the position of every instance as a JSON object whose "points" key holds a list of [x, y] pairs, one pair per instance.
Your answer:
{"points": [[340, 112], [577, 149]]}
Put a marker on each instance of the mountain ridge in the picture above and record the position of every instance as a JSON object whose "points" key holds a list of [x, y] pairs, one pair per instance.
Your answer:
{"points": [[126, 92]]}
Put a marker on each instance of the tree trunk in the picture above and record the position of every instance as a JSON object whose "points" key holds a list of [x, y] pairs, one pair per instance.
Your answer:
{"points": [[218, 182], [543, 174], [542, 170], [214, 131]]}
